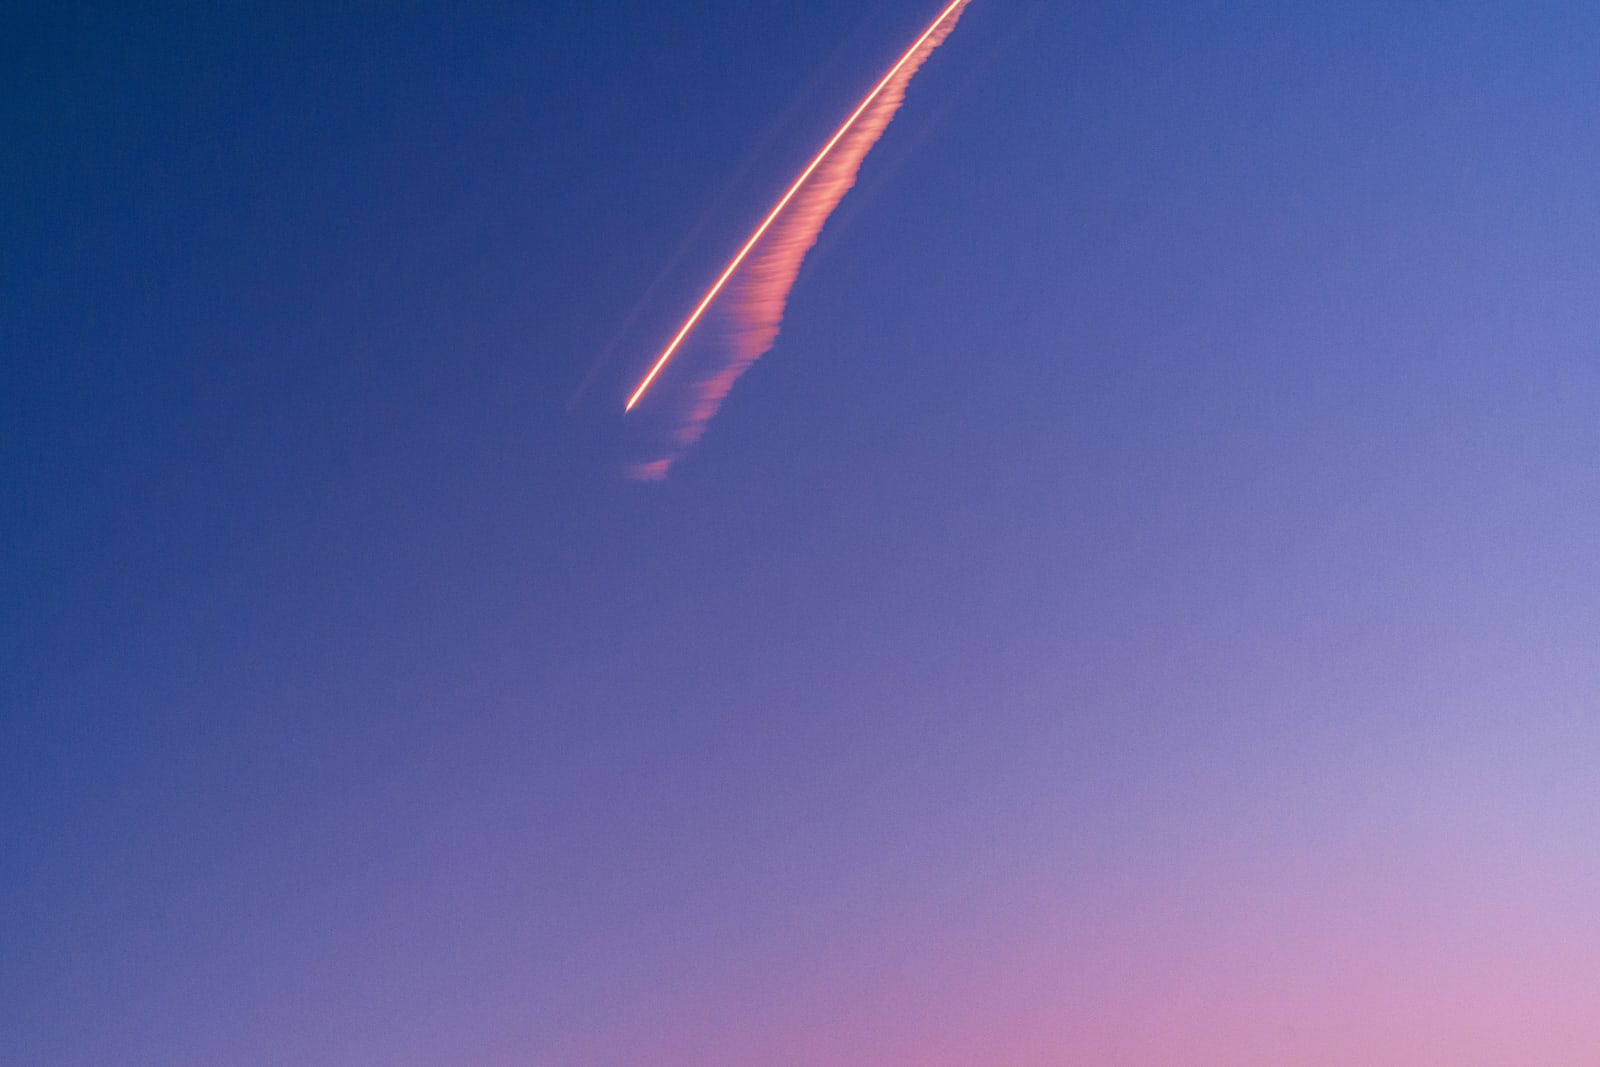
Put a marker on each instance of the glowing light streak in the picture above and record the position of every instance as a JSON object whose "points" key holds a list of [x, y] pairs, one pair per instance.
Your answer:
{"points": [[772, 216]]}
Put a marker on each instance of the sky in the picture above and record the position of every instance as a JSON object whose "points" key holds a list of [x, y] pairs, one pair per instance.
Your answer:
{"points": [[1141, 611]]}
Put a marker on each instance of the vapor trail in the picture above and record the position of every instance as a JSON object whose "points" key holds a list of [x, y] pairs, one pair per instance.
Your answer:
{"points": [[793, 225]]}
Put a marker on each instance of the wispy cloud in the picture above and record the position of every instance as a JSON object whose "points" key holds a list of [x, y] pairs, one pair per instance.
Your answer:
{"points": [[761, 277]]}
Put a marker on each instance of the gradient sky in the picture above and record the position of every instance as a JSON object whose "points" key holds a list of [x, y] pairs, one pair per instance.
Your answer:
{"points": [[1143, 611]]}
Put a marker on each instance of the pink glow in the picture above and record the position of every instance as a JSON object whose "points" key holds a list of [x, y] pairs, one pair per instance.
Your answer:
{"points": [[1425, 950]]}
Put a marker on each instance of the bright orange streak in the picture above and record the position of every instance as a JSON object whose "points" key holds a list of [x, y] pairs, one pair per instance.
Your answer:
{"points": [[788, 196]]}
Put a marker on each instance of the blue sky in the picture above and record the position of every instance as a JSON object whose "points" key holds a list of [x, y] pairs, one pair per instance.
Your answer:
{"points": [[1140, 611]]}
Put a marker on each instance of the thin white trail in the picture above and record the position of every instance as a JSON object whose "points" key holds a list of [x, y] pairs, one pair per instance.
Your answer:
{"points": [[784, 237]]}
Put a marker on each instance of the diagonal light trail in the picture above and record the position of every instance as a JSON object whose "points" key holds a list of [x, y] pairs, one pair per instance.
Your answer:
{"points": [[772, 216]]}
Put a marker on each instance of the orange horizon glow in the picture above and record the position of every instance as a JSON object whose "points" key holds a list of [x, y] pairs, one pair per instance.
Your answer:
{"points": [[778, 209]]}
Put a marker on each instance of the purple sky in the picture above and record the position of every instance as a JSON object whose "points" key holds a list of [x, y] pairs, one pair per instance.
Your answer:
{"points": [[1142, 611]]}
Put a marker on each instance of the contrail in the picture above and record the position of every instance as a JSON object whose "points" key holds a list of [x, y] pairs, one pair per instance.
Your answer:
{"points": [[813, 196]]}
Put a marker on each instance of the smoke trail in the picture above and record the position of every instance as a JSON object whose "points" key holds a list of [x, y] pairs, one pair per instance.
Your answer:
{"points": [[770, 262]]}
